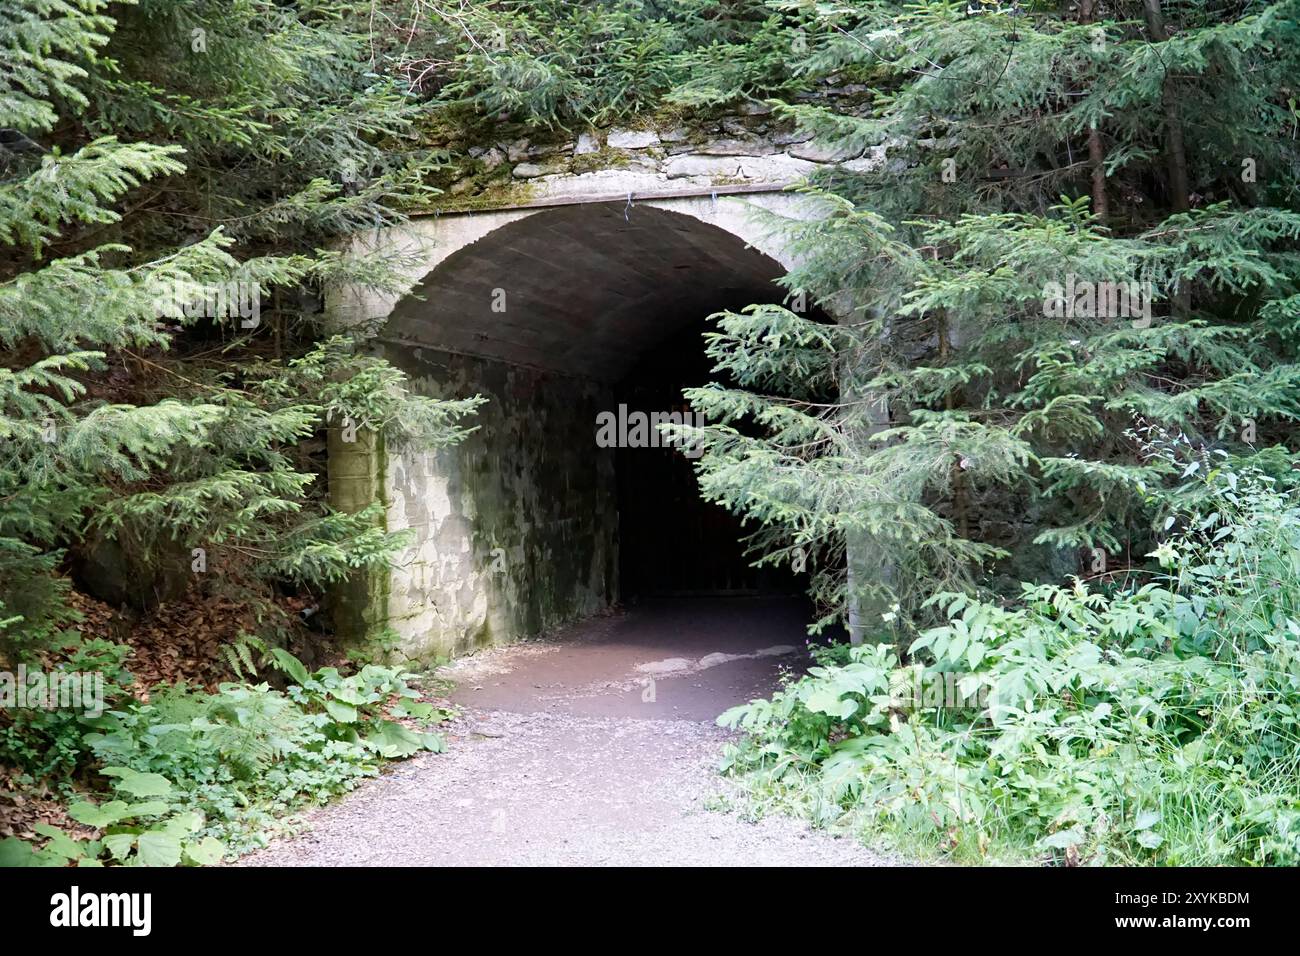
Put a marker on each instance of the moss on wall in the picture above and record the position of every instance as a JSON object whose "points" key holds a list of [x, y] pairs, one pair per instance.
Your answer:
{"points": [[517, 526], [356, 480]]}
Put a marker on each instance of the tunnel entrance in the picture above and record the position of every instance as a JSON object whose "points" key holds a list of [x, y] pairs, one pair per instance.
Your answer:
{"points": [[673, 543], [559, 318]]}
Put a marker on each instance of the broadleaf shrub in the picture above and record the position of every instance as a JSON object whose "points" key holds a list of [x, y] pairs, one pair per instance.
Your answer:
{"points": [[1154, 722], [195, 776]]}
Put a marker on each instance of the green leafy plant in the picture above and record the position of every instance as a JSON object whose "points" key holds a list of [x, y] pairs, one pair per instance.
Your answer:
{"points": [[358, 706], [1146, 722], [193, 774], [50, 743], [141, 828]]}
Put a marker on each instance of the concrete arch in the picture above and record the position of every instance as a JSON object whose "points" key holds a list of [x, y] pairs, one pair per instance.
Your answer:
{"points": [[517, 530], [421, 245]]}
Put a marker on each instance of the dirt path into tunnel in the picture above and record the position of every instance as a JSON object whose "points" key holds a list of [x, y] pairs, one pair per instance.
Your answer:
{"points": [[595, 746]]}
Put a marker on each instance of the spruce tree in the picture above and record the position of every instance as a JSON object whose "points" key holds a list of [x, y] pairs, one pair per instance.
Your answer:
{"points": [[988, 427], [173, 176]]}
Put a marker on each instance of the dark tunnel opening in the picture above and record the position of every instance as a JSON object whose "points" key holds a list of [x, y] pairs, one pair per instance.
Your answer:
{"points": [[673, 543]]}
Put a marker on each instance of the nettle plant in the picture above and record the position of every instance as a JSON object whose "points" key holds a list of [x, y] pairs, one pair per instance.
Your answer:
{"points": [[1151, 720], [50, 744]]}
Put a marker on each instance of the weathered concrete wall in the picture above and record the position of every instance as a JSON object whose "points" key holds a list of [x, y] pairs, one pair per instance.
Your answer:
{"points": [[356, 481], [721, 172], [516, 528], [418, 247]]}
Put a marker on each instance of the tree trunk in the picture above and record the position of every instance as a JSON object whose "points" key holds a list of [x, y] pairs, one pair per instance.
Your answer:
{"points": [[1096, 148], [1175, 151], [957, 479]]}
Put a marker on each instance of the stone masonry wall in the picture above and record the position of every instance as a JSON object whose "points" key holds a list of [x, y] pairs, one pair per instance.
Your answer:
{"points": [[748, 149]]}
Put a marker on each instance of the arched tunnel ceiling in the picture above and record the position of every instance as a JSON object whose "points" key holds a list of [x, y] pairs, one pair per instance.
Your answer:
{"points": [[586, 290]]}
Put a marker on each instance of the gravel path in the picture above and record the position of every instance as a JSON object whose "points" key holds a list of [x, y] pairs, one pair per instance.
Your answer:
{"points": [[550, 784]]}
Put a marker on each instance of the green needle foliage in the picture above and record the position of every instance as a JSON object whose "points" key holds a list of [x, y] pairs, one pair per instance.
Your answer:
{"points": [[1014, 157], [559, 63], [172, 174], [1062, 264]]}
